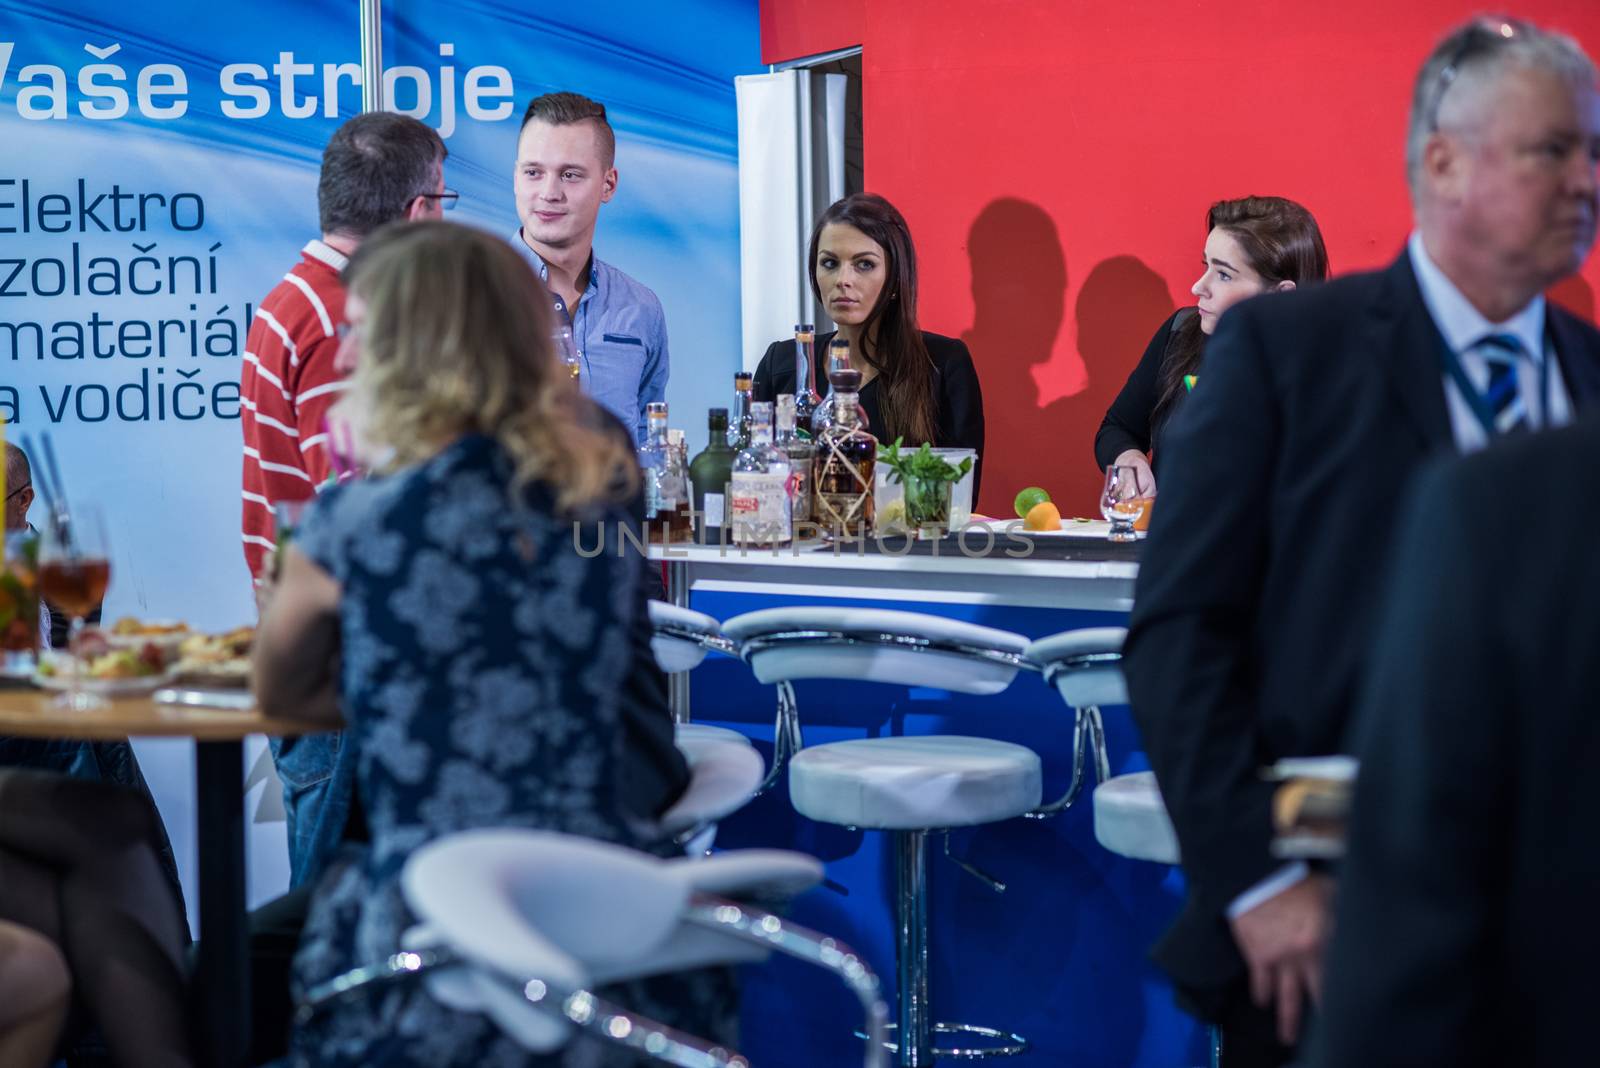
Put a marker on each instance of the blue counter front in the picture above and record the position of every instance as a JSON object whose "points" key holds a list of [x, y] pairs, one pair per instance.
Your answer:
{"points": [[1061, 956]]}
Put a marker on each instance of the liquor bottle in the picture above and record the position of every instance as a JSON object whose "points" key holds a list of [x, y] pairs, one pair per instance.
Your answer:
{"points": [[806, 397], [843, 471], [838, 360], [739, 424], [758, 492], [709, 472], [666, 481], [801, 451]]}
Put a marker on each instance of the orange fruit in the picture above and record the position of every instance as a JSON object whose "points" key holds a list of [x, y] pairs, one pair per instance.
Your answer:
{"points": [[1042, 516]]}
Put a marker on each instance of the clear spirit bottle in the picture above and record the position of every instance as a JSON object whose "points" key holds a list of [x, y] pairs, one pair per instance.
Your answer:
{"points": [[739, 424], [843, 469], [758, 491], [806, 398], [666, 481], [801, 452]]}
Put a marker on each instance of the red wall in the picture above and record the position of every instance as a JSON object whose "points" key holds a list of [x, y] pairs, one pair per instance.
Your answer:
{"points": [[1055, 159]]}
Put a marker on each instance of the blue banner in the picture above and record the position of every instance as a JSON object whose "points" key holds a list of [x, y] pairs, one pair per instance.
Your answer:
{"points": [[159, 177]]}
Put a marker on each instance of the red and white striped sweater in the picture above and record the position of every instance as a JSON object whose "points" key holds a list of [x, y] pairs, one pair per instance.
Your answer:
{"points": [[286, 385]]}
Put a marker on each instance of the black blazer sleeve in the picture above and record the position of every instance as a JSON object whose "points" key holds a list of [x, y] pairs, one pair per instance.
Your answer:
{"points": [[1432, 813], [1190, 652], [1127, 422], [960, 399]]}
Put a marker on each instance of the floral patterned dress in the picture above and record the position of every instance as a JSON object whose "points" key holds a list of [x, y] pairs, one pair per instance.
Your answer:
{"points": [[482, 663]]}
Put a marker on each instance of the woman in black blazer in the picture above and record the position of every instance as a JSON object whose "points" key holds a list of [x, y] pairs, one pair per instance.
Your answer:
{"points": [[915, 385], [1253, 245]]}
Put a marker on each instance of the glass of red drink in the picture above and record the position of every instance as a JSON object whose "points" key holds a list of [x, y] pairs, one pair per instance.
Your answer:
{"points": [[74, 571]]}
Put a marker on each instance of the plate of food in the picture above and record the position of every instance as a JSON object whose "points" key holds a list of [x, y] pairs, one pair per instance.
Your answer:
{"points": [[131, 633], [216, 659], [112, 673]]}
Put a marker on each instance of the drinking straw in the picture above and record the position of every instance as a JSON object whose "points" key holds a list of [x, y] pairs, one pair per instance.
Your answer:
{"points": [[55, 471]]}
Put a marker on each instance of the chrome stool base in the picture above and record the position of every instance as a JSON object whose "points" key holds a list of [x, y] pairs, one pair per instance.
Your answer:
{"points": [[1013, 1044]]}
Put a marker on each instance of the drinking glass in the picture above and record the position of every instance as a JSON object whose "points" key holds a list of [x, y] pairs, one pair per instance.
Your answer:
{"points": [[74, 571], [1120, 502], [19, 603]]}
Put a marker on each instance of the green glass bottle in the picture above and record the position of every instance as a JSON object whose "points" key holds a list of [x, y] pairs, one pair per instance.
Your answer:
{"points": [[709, 474]]}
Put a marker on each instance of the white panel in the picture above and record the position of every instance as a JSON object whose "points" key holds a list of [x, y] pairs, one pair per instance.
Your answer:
{"points": [[834, 119], [772, 255]]}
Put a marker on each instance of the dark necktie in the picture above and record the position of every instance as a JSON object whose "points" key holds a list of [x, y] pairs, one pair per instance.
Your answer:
{"points": [[1503, 394]]}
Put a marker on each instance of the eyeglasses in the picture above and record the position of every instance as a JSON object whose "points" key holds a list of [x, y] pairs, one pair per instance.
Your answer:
{"points": [[19, 489], [447, 199], [1478, 39]]}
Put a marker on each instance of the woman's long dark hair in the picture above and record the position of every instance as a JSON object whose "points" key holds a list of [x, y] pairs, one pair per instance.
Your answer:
{"points": [[1281, 242], [897, 351]]}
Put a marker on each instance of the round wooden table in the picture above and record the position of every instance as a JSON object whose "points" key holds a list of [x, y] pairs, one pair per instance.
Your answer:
{"points": [[222, 975]]}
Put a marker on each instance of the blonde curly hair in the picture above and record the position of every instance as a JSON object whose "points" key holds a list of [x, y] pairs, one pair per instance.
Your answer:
{"points": [[456, 340]]}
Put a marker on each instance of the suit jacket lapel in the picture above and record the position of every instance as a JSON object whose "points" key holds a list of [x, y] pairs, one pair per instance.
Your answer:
{"points": [[1578, 353], [1407, 343]]}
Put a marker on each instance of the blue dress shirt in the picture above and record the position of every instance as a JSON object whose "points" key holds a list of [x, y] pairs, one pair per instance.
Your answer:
{"points": [[621, 335]]}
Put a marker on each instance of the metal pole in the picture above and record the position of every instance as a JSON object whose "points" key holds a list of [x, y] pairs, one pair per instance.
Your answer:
{"points": [[911, 948], [371, 55]]}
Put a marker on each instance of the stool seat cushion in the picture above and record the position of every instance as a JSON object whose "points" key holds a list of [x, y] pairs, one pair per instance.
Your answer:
{"points": [[871, 620], [674, 654], [874, 661], [914, 783], [723, 777], [688, 734], [1092, 685], [1131, 820], [663, 614], [1080, 642]]}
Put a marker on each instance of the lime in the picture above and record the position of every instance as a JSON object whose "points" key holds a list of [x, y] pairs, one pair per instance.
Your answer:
{"points": [[1027, 499]]}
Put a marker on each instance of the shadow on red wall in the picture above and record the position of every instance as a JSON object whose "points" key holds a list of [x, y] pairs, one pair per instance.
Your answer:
{"points": [[1576, 295], [1042, 401]]}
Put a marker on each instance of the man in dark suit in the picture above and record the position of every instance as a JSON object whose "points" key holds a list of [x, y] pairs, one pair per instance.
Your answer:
{"points": [[1260, 582], [1467, 931]]}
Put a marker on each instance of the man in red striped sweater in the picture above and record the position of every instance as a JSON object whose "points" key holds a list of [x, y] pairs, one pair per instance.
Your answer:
{"points": [[378, 167]]}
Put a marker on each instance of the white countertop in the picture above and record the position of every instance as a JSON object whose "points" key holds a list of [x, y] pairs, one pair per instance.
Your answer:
{"points": [[950, 577]]}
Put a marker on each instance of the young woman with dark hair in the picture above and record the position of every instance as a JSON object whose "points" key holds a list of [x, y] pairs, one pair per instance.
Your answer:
{"points": [[916, 385], [1253, 245]]}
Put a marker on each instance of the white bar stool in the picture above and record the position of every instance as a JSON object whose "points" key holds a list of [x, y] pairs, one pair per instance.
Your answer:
{"points": [[681, 637], [910, 787], [1085, 667], [1130, 820], [520, 924], [723, 777]]}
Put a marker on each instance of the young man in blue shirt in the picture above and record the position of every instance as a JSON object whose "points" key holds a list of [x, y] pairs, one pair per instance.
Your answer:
{"points": [[566, 169]]}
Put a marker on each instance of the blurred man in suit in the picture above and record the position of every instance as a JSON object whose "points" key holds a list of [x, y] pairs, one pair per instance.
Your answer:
{"points": [[1466, 930], [1260, 582]]}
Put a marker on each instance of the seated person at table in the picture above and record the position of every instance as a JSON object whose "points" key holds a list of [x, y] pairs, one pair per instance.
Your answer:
{"points": [[110, 762], [86, 910], [1253, 245], [916, 385], [443, 614]]}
